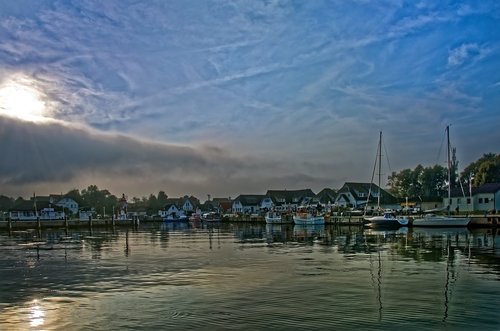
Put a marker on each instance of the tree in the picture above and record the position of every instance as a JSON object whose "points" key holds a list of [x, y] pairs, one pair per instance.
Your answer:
{"points": [[484, 170], [428, 182], [75, 195]]}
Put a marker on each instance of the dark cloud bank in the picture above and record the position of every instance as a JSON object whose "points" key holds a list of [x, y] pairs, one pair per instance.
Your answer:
{"points": [[55, 157]]}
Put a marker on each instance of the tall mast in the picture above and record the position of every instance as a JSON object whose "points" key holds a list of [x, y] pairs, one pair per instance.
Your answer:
{"points": [[379, 167], [449, 167]]}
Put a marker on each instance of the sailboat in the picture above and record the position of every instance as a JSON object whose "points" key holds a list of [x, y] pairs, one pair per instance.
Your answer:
{"points": [[439, 220], [388, 219]]}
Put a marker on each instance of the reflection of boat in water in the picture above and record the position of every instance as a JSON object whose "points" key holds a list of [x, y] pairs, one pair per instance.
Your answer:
{"points": [[308, 231], [279, 232], [174, 226], [440, 232], [382, 231]]}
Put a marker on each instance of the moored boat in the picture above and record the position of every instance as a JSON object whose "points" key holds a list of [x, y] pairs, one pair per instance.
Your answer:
{"points": [[388, 219], [307, 218], [176, 218], [441, 221], [273, 217], [211, 217]]}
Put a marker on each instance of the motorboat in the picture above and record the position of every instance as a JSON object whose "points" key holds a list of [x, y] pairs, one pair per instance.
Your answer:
{"points": [[387, 219], [441, 221], [308, 218]]}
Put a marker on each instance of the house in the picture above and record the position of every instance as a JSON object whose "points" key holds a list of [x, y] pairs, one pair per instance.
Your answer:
{"points": [[247, 203], [170, 209], [486, 197], [33, 209], [180, 206], [359, 195], [223, 205], [290, 199], [327, 196], [483, 198], [68, 204]]}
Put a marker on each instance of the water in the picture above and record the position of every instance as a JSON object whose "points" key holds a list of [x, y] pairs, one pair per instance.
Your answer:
{"points": [[249, 277]]}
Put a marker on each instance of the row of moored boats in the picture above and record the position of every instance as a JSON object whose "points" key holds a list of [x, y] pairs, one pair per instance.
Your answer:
{"points": [[387, 219]]}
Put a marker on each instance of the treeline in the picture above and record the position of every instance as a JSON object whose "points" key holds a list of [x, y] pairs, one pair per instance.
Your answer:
{"points": [[102, 201], [432, 182]]}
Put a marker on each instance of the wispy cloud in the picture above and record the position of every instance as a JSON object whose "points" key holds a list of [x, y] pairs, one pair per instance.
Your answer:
{"points": [[466, 52]]}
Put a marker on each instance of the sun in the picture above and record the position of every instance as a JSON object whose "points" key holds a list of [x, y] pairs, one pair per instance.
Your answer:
{"points": [[20, 100]]}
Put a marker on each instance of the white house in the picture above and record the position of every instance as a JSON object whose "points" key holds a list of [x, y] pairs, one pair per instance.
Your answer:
{"points": [[247, 203], [68, 204], [483, 198], [170, 209]]}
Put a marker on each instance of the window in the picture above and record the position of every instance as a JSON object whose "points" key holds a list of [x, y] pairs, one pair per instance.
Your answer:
{"points": [[486, 200], [480, 200], [468, 201]]}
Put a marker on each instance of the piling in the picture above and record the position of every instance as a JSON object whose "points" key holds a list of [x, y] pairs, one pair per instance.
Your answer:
{"points": [[9, 224], [113, 220], [90, 222], [38, 223]]}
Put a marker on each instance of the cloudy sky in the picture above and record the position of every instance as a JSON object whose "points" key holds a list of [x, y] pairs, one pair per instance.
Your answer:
{"points": [[228, 97]]}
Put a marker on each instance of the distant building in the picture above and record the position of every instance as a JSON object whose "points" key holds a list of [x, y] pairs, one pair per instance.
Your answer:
{"points": [[283, 200], [359, 195], [247, 203], [483, 198]]}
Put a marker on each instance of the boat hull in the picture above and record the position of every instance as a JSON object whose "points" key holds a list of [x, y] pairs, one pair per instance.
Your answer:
{"points": [[387, 220], [313, 220], [441, 221]]}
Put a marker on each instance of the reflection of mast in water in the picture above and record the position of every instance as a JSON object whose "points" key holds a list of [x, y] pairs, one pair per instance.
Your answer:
{"points": [[210, 236], [449, 280], [127, 248], [377, 283]]}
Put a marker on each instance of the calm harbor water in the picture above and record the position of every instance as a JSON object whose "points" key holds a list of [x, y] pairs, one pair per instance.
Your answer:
{"points": [[250, 277]]}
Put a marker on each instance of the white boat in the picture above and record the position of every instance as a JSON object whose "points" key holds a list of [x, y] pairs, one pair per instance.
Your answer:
{"points": [[306, 218], [176, 218], [387, 220], [272, 217], [438, 220], [441, 221], [211, 217]]}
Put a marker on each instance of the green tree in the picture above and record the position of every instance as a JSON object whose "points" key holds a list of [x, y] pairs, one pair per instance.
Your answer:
{"points": [[485, 170]]}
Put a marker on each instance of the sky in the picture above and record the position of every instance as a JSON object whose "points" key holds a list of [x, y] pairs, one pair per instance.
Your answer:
{"points": [[224, 98]]}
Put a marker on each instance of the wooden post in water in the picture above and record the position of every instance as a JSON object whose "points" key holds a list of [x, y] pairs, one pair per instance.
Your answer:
{"points": [[90, 222], [66, 222], [113, 219], [38, 223]]}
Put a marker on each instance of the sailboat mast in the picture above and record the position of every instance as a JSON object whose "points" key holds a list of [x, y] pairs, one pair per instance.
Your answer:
{"points": [[449, 167], [379, 167]]}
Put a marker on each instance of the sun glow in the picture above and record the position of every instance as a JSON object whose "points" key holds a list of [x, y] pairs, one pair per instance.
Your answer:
{"points": [[21, 101]]}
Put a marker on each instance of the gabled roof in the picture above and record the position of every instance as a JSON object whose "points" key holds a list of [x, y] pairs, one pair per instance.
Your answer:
{"points": [[487, 188], [327, 195], [365, 188], [250, 199], [29, 205], [290, 196]]}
